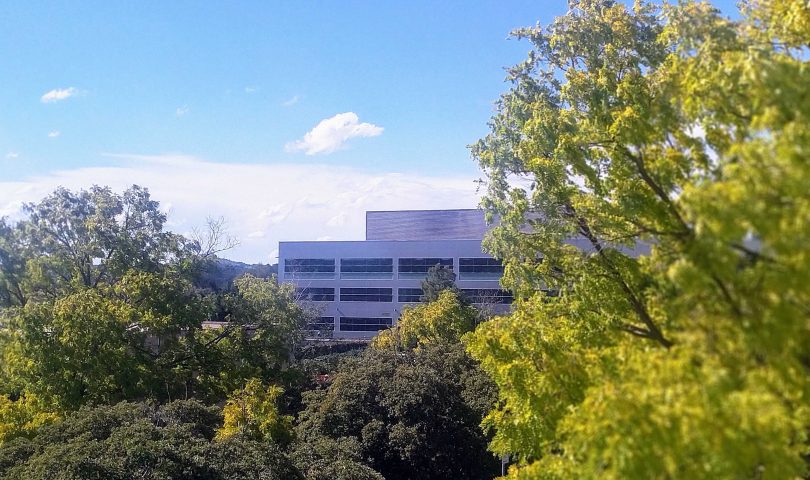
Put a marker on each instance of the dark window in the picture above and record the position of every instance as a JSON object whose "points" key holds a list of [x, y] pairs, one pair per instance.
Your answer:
{"points": [[409, 295], [366, 295], [479, 268], [487, 295], [315, 294], [364, 324], [310, 267], [366, 267], [420, 266], [323, 324]]}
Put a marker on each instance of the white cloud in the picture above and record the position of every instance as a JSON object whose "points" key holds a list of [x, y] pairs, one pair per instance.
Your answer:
{"points": [[338, 220], [54, 134], [12, 155], [262, 204], [251, 89], [291, 101], [181, 111], [58, 94], [332, 134]]}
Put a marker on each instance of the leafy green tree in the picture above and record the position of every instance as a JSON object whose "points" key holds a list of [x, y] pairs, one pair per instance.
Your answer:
{"points": [[12, 266], [103, 345], [98, 305], [324, 458], [445, 319], [138, 440], [665, 159], [254, 413], [84, 239], [22, 417], [414, 414], [263, 330], [438, 279]]}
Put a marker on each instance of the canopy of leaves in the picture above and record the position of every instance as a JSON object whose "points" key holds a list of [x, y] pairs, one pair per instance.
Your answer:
{"points": [[98, 305], [22, 417], [437, 280], [253, 412], [136, 440], [673, 146], [445, 319], [414, 414], [70, 241]]}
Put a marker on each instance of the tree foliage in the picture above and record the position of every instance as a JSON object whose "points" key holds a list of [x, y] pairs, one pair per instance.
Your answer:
{"points": [[137, 440], [74, 240], [254, 413], [98, 305], [414, 414], [665, 154], [438, 279], [445, 319], [22, 417]]}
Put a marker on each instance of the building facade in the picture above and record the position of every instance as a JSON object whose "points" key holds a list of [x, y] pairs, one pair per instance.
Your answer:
{"points": [[360, 287]]}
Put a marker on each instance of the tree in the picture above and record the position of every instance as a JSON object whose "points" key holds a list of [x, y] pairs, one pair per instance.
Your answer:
{"points": [[254, 413], [22, 417], [98, 305], [438, 279], [139, 440], [103, 345], [264, 325], [665, 155], [91, 237], [324, 458], [445, 319], [414, 414]]}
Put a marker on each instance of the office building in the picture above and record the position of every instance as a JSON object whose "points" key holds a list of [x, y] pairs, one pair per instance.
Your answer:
{"points": [[360, 287]]}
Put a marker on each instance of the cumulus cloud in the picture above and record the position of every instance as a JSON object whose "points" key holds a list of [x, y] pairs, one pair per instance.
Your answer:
{"points": [[58, 94], [181, 111], [251, 89], [332, 134], [12, 155], [263, 204], [54, 134]]}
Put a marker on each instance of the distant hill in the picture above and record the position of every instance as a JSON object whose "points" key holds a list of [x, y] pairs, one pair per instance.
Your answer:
{"points": [[220, 273]]}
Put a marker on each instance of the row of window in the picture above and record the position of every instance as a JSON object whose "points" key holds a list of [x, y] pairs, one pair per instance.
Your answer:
{"points": [[404, 295], [352, 324], [372, 268]]}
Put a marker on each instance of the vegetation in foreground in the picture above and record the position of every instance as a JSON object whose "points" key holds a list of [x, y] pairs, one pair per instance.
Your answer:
{"points": [[108, 372], [686, 135], [674, 132]]}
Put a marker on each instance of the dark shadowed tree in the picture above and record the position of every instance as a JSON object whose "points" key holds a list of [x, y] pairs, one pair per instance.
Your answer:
{"points": [[414, 414], [438, 279]]}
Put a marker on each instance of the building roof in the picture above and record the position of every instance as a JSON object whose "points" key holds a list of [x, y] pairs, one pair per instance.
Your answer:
{"points": [[461, 224]]}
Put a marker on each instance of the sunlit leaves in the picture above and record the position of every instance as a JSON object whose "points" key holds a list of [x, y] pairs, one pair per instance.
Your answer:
{"points": [[682, 136]]}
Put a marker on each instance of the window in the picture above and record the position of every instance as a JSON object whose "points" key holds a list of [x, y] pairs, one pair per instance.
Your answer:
{"points": [[364, 324], [366, 295], [409, 295], [479, 269], [418, 267], [310, 267], [316, 294], [487, 295], [366, 268], [322, 324]]}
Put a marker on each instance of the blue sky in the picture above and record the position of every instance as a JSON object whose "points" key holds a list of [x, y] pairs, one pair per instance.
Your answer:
{"points": [[221, 96]]}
